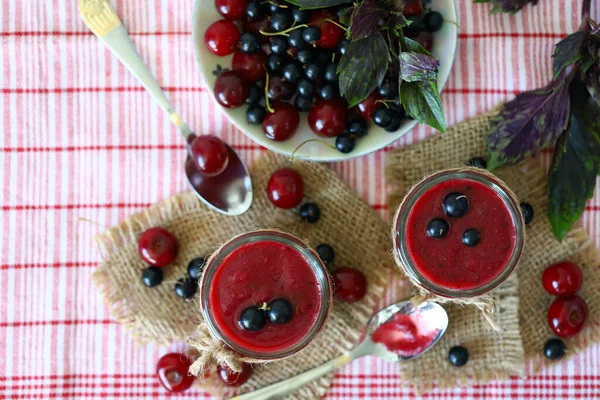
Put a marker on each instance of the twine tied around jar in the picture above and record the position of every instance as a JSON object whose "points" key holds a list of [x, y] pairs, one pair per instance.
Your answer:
{"points": [[211, 351]]}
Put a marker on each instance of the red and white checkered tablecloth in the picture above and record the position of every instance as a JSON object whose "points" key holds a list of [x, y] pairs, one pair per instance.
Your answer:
{"points": [[83, 142]]}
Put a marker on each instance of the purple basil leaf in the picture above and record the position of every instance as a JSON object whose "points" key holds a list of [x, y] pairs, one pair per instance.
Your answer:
{"points": [[568, 51], [592, 81], [421, 101], [304, 4], [367, 19], [531, 122], [417, 67], [362, 68], [576, 163]]}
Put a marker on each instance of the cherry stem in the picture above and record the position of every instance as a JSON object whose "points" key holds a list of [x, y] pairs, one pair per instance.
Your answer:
{"points": [[336, 23], [285, 32], [455, 23], [269, 109], [308, 141], [385, 102], [274, 3]]}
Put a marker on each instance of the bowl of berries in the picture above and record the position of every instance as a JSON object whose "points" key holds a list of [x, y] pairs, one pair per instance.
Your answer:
{"points": [[326, 80]]}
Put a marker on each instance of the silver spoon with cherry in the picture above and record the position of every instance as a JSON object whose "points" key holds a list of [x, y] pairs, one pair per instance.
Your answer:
{"points": [[218, 176]]}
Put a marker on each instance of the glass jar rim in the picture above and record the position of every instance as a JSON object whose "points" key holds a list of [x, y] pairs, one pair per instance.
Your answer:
{"points": [[403, 212], [311, 258]]}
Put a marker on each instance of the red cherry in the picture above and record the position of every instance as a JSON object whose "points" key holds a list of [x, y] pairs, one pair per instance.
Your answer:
{"points": [[349, 284], [367, 107], [250, 67], [222, 37], [232, 9], [331, 34], [562, 278], [413, 8], [328, 117], [424, 38], [231, 90], [285, 188], [210, 155], [567, 315], [257, 27], [281, 124], [234, 379], [158, 247], [172, 370]]}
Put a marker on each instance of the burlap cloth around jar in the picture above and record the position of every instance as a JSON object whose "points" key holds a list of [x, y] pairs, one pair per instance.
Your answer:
{"points": [[522, 301], [358, 235]]}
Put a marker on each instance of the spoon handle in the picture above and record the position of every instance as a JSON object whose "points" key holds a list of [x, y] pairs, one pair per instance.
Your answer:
{"points": [[103, 21], [287, 386]]}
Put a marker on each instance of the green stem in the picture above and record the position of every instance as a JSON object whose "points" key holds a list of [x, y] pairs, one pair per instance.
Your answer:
{"points": [[283, 33], [309, 141]]}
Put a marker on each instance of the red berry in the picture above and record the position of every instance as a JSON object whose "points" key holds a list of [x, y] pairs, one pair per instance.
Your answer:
{"points": [[234, 379], [251, 67], [567, 315], [222, 37], [367, 107], [285, 188], [158, 247], [231, 90], [210, 155], [172, 370], [257, 27], [424, 38], [281, 124], [413, 8], [232, 9], [562, 278], [349, 284], [328, 117], [331, 34]]}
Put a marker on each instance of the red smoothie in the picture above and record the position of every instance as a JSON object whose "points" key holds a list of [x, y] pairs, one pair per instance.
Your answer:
{"points": [[447, 262], [260, 272], [406, 334]]}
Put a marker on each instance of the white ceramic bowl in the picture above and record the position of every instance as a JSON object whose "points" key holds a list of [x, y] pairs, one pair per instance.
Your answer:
{"points": [[444, 48]]}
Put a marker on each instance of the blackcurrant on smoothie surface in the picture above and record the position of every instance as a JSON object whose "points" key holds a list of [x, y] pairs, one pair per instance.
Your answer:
{"points": [[448, 262], [406, 334], [260, 272]]}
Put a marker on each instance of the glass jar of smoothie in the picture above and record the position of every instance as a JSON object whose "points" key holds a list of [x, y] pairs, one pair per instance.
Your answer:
{"points": [[255, 269], [459, 233]]}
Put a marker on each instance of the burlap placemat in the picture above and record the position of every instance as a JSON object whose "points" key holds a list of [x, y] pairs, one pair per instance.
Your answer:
{"points": [[357, 233], [522, 298]]}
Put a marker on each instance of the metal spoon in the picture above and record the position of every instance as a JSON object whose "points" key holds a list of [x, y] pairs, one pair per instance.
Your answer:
{"points": [[432, 312], [230, 192]]}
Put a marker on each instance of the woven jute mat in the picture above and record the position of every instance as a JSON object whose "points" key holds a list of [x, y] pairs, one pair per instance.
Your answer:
{"points": [[359, 236], [522, 300]]}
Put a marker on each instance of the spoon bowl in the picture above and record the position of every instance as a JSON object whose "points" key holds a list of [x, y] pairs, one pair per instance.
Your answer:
{"points": [[435, 314], [230, 192], [431, 314]]}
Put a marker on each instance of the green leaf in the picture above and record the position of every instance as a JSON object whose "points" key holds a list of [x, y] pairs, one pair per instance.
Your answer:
{"points": [[531, 122], [362, 68], [576, 163], [568, 51], [304, 4], [421, 101], [415, 47], [417, 67]]}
